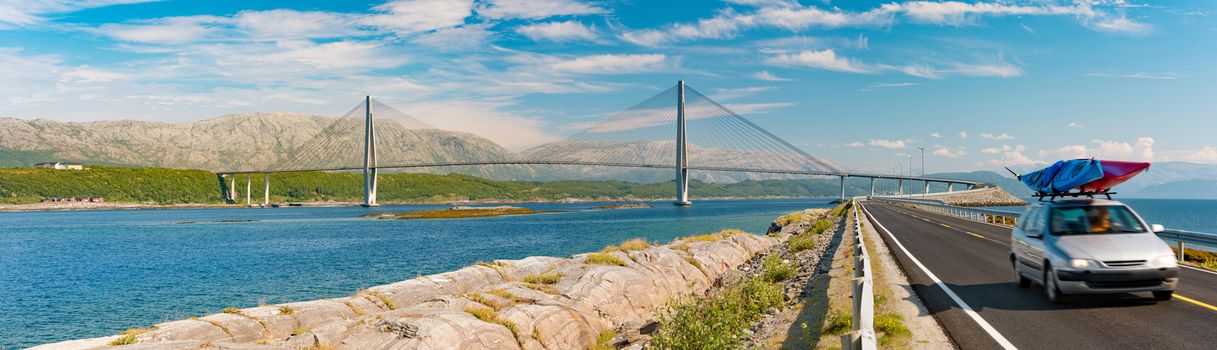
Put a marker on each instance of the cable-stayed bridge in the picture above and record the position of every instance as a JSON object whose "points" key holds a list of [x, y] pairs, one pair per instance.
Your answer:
{"points": [[679, 129]]}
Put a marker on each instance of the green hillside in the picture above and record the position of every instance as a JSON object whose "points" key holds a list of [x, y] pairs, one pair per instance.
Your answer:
{"points": [[176, 186]]}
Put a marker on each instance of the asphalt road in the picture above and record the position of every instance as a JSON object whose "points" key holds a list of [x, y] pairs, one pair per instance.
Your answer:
{"points": [[983, 308]]}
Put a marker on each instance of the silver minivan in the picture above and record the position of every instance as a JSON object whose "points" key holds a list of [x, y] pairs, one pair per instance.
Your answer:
{"points": [[1090, 246]]}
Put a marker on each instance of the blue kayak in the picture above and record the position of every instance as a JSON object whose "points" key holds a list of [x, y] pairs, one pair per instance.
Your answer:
{"points": [[1063, 176]]}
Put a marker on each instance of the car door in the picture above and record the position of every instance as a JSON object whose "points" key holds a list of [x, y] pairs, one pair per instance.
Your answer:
{"points": [[1034, 238]]}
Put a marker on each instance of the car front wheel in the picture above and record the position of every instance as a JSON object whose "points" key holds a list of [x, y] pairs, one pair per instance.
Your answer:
{"points": [[1050, 289]]}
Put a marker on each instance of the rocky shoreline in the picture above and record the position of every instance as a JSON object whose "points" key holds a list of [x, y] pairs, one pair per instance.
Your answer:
{"points": [[532, 303]]}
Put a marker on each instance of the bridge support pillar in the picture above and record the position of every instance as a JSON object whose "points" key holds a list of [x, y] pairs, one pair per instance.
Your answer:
{"points": [[949, 188], [842, 188], [682, 162], [369, 156], [232, 188], [901, 190], [925, 190], [248, 193], [265, 189], [872, 187]]}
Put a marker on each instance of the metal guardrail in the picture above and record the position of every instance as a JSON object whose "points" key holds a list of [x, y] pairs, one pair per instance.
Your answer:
{"points": [[1008, 218], [863, 335]]}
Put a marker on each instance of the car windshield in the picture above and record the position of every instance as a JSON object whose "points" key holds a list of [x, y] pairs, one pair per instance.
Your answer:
{"points": [[1094, 220]]}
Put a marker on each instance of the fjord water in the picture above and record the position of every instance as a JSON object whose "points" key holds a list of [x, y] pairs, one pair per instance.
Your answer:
{"points": [[77, 274]]}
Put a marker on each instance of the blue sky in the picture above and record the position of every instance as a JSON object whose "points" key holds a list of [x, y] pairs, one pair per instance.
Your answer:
{"points": [[978, 84]]}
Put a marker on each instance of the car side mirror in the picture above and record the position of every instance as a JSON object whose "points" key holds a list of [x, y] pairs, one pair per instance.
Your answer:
{"points": [[1035, 235], [1157, 228]]}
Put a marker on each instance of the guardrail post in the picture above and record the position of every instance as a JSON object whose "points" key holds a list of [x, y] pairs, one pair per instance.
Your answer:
{"points": [[1181, 250]]}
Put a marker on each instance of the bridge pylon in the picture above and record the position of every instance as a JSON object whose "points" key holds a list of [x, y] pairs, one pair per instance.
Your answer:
{"points": [[682, 161], [369, 156]]}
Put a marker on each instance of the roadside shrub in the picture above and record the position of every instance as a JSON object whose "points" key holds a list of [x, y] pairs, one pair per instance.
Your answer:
{"points": [[551, 277], [604, 259], [890, 324], [123, 340], [820, 226], [776, 270], [838, 324], [801, 243], [718, 322]]}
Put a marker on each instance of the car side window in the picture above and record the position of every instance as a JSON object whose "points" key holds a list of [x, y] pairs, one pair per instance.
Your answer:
{"points": [[1035, 222], [1024, 222]]}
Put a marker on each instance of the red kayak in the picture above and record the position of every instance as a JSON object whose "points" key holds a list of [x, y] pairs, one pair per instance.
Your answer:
{"points": [[1115, 172]]}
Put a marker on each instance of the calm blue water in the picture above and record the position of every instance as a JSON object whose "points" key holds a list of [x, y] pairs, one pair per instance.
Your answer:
{"points": [[67, 275]]}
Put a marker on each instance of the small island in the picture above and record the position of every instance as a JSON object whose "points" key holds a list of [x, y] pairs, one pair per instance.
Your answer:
{"points": [[624, 206], [457, 213]]}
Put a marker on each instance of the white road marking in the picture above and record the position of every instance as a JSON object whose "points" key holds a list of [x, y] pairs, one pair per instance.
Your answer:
{"points": [[1001, 340]]}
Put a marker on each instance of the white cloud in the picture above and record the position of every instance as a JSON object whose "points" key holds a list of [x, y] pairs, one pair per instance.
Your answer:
{"points": [[856, 144], [1073, 125], [722, 26], [1207, 154], [1119, 25], [20, 13], [959, 13], [1140, 150], [963, 134], [485, 119], [168, 30], [727, 94], [799, 18], [413, 16], [568, 31], [887, 143], [612, 64], [936, 135], [1001, 137], [821, 59], [1009, 156], [756, 108], [1135, 75], [766, 76], [287, 24], [536, 9], [947, 152], [882, 86], [466, 37]]}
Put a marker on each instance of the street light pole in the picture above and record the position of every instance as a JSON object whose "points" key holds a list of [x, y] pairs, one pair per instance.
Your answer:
{"points": [[923, 169]]}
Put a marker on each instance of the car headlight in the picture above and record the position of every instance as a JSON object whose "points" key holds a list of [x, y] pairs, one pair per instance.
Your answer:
{"points": [[1164, 261], [1082, 263]]}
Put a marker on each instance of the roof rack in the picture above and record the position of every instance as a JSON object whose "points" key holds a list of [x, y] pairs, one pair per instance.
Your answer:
{"points": [[1089, 194]]}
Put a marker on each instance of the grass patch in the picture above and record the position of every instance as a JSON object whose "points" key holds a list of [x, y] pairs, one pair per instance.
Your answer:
{"points": [[891, 325], [689, 259], [820, 226], [838, 324], [482, 299], [551, 277], [300, 330], [840, 209], [494, 265], [137, 331], [792, 217], [232, 310], [718, 322], [124, 340], [603, 259], [711, 237], [383, 299], [801, 243], [506, 295], [681, 247], [605, 341], [490, 316], [776, 270], [286, 310], [635, 244], [543, 288]]}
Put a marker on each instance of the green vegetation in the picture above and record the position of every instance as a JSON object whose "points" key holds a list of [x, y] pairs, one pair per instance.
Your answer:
{"points": [[383, 299], [123, 340], [718, 322], [494, 265], [820, 226], [801, 242], [890, 325], [776, 270], [300, 330], [286, 310], [232, 310], [455, 213], [481, 299], [633, 244], [177, 186], [603, 259], [551, 277], [605, 341], [488, 315], [838, 324]]}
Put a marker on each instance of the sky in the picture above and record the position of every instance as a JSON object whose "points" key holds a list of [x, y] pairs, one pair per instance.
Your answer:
{"points": [[978, 85]]}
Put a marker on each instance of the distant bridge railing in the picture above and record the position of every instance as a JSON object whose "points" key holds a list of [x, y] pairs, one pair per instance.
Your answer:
{"points": [[1009, 218]]}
